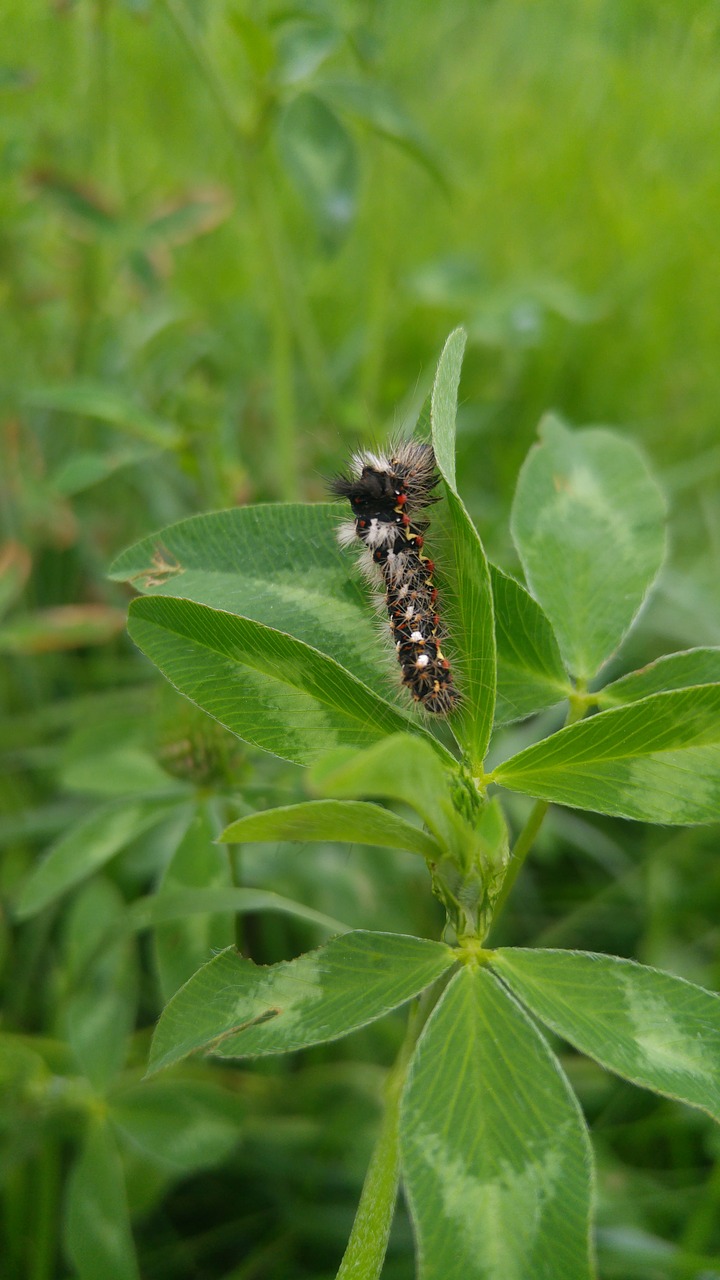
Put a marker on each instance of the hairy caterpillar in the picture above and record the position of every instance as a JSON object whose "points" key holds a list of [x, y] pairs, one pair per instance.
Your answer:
{"points": [[386, 491]]}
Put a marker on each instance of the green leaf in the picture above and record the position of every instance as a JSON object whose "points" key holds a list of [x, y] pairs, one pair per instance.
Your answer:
{"points": [[675, 671], [15, 77], [400, 768], [365, 1253], [626, 1250], [94, 400], [530, 674], [277, 564], [422, 425], [102, 975], [23, 1075], [85, 848], [116, 770], [83, 470], [443, 411], [588, 523], [183, 944], [657, 760], [493, 829], [234, 1008], [466, 603], [320, 157], [376, 106], [70, 626], [341, 821], [39, 822], [15, 567], [198, 213], [263, 685], [303, 47], [495, 1154], [651, 1028], [472, 835], [257, 41], [178, 904], [85, 207], [183, 1125], [281, 565], [463, 577], [97, 1231]]}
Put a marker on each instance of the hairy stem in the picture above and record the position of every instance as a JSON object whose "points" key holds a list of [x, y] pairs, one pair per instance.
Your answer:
{"points": [[365, 1252]]}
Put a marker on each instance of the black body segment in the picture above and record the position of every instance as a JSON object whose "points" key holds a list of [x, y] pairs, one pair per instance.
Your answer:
{"points": [[386, 493]]}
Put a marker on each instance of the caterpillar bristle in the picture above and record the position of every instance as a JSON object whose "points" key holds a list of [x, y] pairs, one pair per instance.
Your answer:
{"points": [[386, 491]]}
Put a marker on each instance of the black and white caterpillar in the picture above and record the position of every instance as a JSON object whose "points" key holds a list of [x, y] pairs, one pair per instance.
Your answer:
{"points": [[386, 493]]}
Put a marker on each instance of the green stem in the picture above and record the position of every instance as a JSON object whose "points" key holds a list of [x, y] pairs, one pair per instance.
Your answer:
{"points": [[283, 453], [366, 1248], [365, 1252], [289, 300], [233, 853], [700, 1229], [378, 297], [283, 445], [579, 704], [190, 36], [47, 1191], [519, 852], [284, 459], [14, 1220], [99, 137], [291, 294], [90, 276]]}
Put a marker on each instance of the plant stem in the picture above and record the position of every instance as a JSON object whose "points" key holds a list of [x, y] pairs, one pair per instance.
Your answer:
{"points": [[283, 451], [519, 852], [700, 1228], [365, 1252], [292, 319], [239, 923], [283, 455], [187, 30], [46, 1214], [291, 291], [367, 1245], [579, 704], [378, 297], [90, 276]]}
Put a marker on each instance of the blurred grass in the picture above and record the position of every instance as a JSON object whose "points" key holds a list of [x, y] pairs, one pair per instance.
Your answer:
{"points": [[185, 325]]}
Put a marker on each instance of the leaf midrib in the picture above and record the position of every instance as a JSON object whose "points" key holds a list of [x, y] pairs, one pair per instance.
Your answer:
{"points": [[571, 766]]}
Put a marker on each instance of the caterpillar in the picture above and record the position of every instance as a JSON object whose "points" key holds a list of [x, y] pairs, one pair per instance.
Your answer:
{"points": [[386, 493]]}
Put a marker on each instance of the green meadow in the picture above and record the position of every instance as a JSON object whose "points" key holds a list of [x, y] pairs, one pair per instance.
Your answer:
{"points": [[234, 237]]}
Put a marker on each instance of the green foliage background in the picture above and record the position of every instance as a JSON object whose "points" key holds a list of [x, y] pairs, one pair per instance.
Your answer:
{"points": [[233, 238]]}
